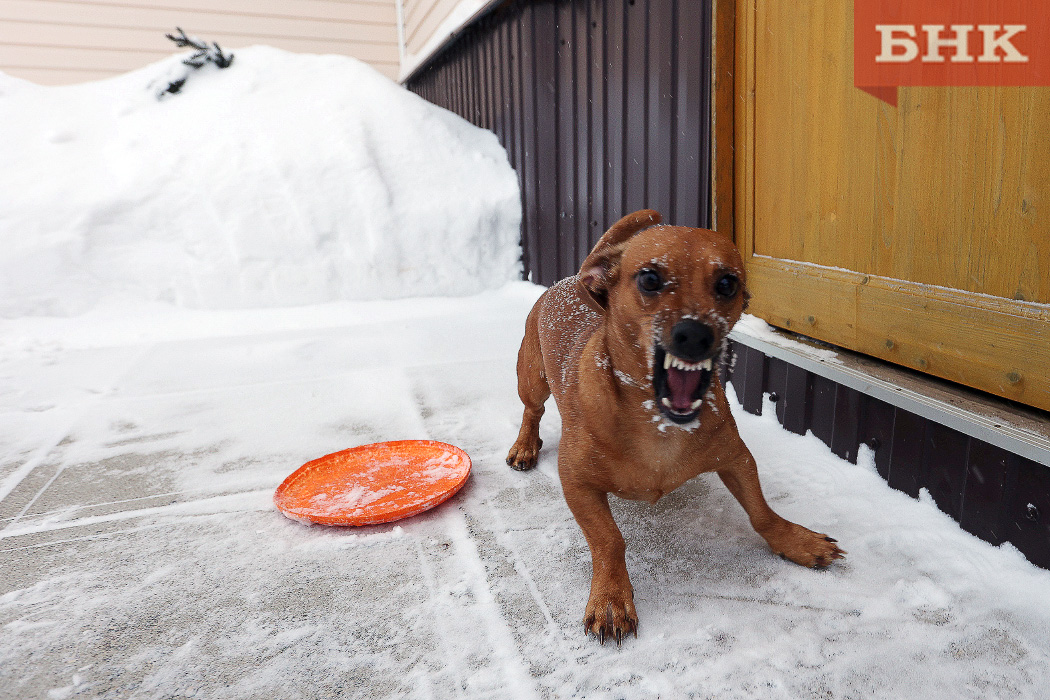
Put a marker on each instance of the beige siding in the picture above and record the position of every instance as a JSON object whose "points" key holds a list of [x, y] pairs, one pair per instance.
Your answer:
{"points": [[422, 18], [57, 42], [428, 25]]}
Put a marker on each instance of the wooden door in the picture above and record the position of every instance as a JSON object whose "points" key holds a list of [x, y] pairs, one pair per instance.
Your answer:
{"points": [[919, 233]]}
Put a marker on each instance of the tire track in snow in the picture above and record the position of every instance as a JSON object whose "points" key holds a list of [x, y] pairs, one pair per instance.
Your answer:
{"points": [[428, 577], [258, 500], [13, 480], [505, 649], [502, 536]]}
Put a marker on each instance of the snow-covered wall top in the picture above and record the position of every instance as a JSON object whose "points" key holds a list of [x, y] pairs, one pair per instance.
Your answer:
{"points": [[285, 179], [426, 26]]}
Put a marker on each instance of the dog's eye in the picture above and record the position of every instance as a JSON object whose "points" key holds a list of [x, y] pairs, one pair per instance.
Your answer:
{"points": [[727, 286], [649, 281]]}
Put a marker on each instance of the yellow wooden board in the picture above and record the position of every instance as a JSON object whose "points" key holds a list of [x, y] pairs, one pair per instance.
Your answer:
{"points": [[919, 233]]}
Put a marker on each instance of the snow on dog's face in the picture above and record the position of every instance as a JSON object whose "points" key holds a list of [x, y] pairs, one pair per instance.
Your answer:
{"points": [[672, 294]]}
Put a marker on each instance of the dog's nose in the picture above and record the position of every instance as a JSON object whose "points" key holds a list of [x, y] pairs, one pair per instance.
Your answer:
{"points": [[691, 340]]}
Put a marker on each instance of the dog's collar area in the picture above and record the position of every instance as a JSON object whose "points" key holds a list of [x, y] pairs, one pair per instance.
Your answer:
{"points": [[680, 386]]}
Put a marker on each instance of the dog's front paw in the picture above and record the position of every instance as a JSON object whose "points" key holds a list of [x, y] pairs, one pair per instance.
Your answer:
{"points": [[524, 454], [805, 547], [611, 615]]}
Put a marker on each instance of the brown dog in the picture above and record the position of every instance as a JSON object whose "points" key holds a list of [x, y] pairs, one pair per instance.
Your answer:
{"points": [[630, 349]]}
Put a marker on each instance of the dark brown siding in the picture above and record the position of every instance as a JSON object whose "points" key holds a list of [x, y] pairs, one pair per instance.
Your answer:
{"points": [[603, 108], [995, 495]]}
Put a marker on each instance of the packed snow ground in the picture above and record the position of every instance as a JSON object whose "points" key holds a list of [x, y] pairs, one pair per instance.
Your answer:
{"points": [[143, 557], [145, 421]]}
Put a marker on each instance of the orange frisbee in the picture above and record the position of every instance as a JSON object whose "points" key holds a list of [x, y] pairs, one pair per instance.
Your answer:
{"points": [[375, 483]]}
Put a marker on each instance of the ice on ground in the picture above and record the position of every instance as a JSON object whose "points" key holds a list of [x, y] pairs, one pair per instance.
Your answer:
{"points": [[143, 557], [285, 179]]}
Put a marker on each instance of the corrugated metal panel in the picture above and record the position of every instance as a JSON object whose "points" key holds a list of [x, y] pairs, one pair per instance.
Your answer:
{"points": [[995, 495], [603, 108]]}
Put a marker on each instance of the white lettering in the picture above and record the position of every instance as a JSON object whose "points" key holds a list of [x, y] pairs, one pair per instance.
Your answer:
{"points": [[934, 43], [991, 43], [891, 42]]}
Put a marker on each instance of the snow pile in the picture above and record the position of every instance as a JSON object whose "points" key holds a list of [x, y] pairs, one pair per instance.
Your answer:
{"points": [[286, 179]]}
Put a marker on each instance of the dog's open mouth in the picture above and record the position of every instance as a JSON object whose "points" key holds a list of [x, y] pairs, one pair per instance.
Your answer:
{"points": [[680, 386]]}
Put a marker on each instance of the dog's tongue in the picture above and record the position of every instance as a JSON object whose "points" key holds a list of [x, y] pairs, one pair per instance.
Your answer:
{"points": [[682, 385]]}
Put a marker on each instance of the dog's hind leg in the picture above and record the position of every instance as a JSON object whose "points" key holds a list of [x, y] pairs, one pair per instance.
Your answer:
{"points": [[534, 392]]}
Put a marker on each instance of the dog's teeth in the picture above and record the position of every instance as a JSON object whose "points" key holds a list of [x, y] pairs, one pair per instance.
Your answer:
{"points": [[695, 405], [666, 402], [678, 363]]}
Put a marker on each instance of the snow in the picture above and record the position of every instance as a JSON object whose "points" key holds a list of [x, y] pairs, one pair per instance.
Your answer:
{"points": [[284, 179], [142, 436], [460, 15], [754, 327], [143, 556]]}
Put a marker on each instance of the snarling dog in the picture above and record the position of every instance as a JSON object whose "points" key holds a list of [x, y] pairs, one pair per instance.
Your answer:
{"points": [[630, 348]]}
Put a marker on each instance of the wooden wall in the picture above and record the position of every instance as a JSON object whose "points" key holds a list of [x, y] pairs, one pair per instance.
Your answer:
{"points": [[56, 42], [915, 232]]}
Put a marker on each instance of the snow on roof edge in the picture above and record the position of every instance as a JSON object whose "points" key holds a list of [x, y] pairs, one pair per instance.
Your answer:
{"points": [[464, 14]]}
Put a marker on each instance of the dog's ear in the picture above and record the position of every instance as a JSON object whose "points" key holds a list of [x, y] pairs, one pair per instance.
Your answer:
{"points": [[598, 271]]}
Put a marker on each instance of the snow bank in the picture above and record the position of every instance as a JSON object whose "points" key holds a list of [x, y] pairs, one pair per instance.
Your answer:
{"points": [[286, 179]]}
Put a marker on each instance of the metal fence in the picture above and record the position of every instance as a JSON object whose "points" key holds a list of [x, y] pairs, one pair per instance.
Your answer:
{"points": [[993, 494], [603, 107]]}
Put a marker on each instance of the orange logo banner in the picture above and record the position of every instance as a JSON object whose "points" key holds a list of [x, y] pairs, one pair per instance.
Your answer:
{"points": [[949, 42]]}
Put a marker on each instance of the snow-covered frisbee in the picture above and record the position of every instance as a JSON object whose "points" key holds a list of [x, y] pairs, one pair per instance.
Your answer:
{"points": [[372, 484]]}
